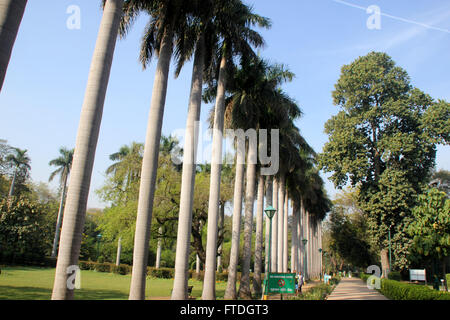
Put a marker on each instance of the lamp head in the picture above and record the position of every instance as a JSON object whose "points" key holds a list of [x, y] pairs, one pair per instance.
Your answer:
{"points": [[270, 212]]}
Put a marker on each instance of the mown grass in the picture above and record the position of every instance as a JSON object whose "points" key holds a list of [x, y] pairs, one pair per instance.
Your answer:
{"points": [[31, 283]]}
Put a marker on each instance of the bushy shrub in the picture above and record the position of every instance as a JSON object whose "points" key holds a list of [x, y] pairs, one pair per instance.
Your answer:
{"points": [[395, 290], [103, 267], [161, 273], [394, 275], [87, 265], [122, 269]]}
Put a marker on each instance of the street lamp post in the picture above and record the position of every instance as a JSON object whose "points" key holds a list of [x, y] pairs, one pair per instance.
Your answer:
{"points": [[390, 252], [320, 263], [270, 212], [99, 237], [305, 260]]}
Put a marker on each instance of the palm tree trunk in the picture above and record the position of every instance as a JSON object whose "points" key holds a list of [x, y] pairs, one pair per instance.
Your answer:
{"points": [[269, 191], [285, 233], [280, 240], [259, 236], [230, 292], [197, 264], [180, 286], [86, 143], [209, 284], [13, 184], [158, 250], [294, 245], [11, 14], [59, 219], [119, 251], [244, 290], [274, 258], [149, 168]]}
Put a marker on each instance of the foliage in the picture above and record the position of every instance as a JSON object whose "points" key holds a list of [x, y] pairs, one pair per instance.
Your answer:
{"points": [[396, 290], [348, 232], [23, 226], [431, 225], [383, 143], [395, 275]]}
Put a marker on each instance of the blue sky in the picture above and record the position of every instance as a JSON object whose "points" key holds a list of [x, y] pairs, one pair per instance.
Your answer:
{"points": [[43, 92]]}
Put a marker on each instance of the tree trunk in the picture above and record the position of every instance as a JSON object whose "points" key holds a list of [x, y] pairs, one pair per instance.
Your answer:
{"points": [[384, 256], [294, 254], [274, 258], [244, 290], [13, 184], [280, 240], [259, 236], [158, 249], [119, 251], [285, 233], [269, 191], [149, 170], [11, 14], [230, 292], [60, 218], [86, 143], [209, 284], [180, 286]]}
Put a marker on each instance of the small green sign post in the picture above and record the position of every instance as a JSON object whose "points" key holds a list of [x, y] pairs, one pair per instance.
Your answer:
{"points": [[282, 283]]}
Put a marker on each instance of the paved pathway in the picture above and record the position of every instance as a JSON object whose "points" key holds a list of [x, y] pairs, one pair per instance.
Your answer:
{"points": [[354, 289]]}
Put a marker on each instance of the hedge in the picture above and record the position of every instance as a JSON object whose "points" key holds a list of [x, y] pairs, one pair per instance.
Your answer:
{"points": [[161, 273], [394, 275], [395, 290]]}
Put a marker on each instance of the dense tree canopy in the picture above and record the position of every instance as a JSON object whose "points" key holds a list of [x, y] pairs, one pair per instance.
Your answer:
{"points": [[384, 143]]}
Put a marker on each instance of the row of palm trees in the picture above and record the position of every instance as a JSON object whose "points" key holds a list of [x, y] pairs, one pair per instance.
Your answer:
{"points": [[218, 34]]}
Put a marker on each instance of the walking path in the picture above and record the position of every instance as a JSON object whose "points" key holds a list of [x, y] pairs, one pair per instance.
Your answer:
{"points": [[354, 289]]}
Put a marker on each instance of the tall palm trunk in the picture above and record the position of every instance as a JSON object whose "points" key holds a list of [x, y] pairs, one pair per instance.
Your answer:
{"points": [[13, 184], [294, 244], [60, 217], [244, 290], [158, 250], [269, 191], [149, 168], [280, 240], [285, 232], [11, 14], [259, 236], [86, 143], [209, 284], [230, 292], [119, 251], [274, 258], [180, 286]]}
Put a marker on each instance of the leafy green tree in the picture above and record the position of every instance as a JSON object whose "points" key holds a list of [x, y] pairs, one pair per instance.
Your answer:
{"points": [[381, 142], [430, 227], [22, 231]]}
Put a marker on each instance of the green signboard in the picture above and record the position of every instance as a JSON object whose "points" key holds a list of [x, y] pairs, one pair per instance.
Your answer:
{"points": [[283, 283]]}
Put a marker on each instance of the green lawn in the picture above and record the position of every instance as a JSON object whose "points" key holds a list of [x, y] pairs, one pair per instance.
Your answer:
{"points": [[30, 283]]}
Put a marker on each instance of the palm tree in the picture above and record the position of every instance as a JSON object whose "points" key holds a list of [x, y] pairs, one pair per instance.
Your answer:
{"points": [[64, 164], [234, 27], [11, 13], [21, 164], [86, 142]]}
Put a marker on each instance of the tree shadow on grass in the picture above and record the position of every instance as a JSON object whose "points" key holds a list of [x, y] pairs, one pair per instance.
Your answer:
{"points": [[32, 293]]}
